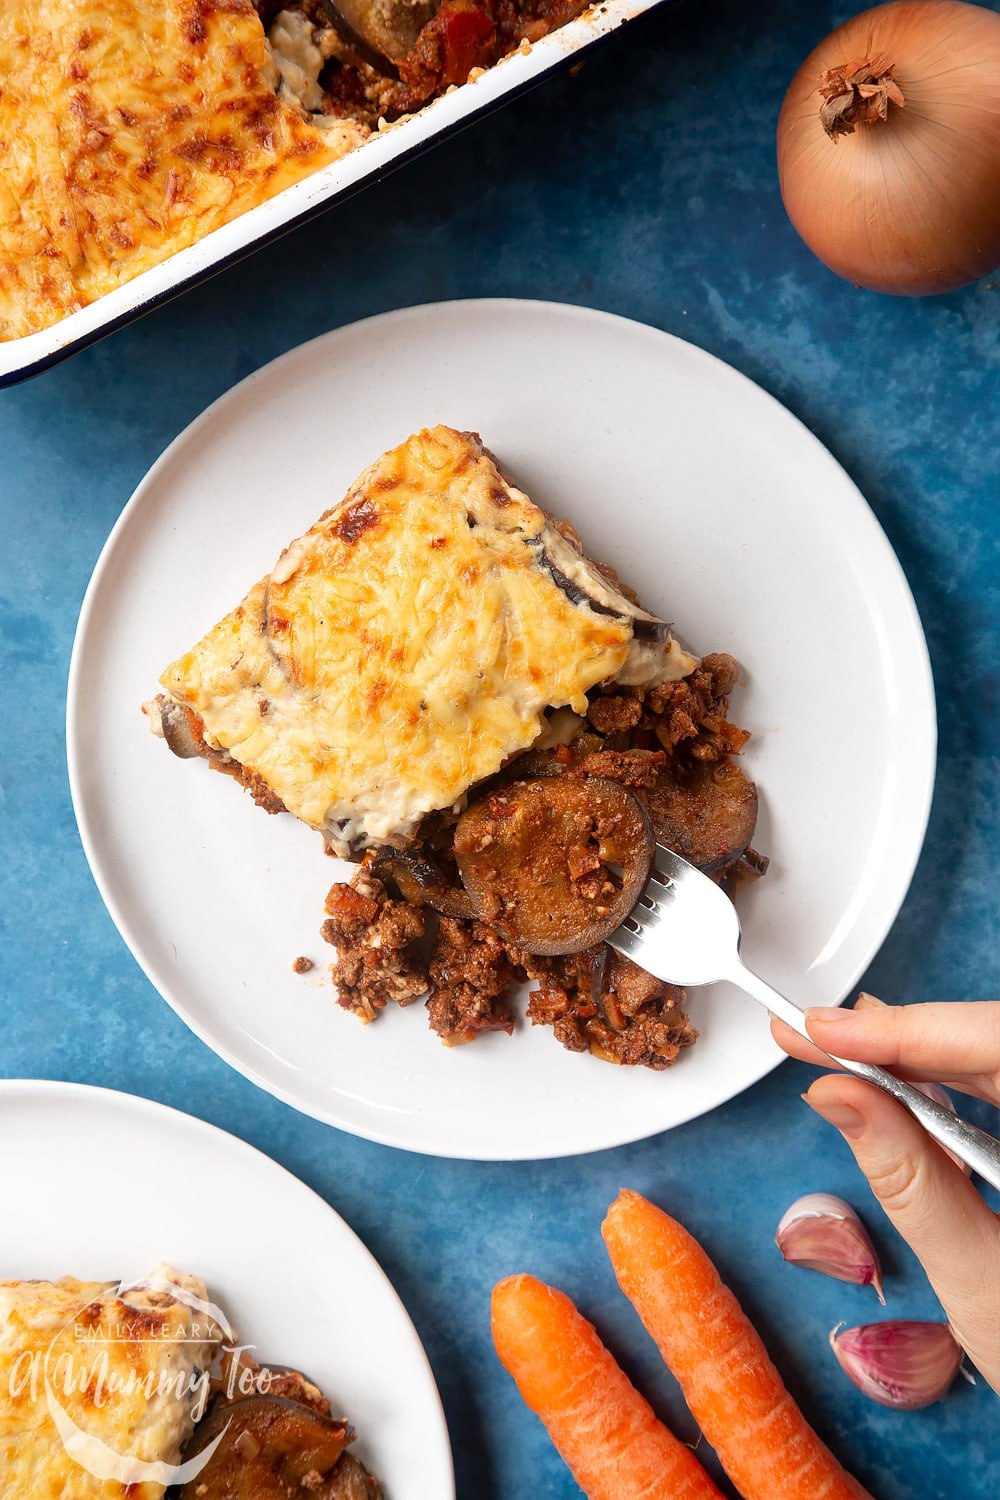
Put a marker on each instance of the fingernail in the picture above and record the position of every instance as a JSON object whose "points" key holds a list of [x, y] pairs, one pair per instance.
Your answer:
{"points": [[828, 1015], [842, 1116], [869, 1002]]}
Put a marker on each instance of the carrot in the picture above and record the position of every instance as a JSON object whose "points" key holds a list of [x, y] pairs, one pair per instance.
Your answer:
{"points": [[604, 1429], [764, 1442]]}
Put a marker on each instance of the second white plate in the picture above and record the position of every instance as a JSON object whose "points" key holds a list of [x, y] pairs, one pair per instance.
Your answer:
{"points": [[713, 501], [107, 1186]]}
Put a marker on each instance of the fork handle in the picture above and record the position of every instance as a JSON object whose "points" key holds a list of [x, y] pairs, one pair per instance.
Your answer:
{"points": [[973, 1146]]}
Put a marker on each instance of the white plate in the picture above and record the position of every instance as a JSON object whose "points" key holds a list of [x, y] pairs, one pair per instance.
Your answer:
{"points": [[108, 1185], [725, 514]]}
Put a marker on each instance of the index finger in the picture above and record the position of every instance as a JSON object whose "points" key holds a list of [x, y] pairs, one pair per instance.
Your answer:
{"points": [[955, 1040], [804, 1050]]}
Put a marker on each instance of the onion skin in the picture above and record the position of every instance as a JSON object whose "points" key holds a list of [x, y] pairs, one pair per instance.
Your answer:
{"points": [[909, 204]]}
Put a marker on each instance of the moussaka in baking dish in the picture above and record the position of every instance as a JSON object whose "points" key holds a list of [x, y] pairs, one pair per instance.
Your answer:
{"points": [[438, 680], [130, 131]]}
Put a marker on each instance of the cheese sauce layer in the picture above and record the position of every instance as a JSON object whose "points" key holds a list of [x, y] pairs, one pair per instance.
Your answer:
{"points": [[404, 647], [127, 132], [93, 1381]]}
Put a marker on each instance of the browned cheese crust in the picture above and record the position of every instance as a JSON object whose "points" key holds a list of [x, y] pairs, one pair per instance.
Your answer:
{"points": [[128, 132]]}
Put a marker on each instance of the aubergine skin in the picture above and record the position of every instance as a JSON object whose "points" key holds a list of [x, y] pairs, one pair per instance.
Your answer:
{"points": [[379, 37], [704, 811], [422, 882], [554, 865], [269, 1447], [350, 1481], [644, 627], [177, 726]]}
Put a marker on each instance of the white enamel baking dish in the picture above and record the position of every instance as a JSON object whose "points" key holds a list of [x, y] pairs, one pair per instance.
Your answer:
{"points": [[26, 356]]}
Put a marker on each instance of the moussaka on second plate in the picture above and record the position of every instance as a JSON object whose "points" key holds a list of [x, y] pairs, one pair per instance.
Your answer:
{"points": [[112, 1391]]}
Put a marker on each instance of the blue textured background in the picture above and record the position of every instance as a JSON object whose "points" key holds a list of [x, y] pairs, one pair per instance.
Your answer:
{"points": [[645, 185]]}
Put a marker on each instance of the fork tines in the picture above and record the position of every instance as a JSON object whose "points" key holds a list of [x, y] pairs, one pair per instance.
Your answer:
{"points": [[648, 906]]}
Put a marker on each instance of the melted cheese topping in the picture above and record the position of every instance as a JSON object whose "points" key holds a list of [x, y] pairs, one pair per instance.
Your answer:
{"points": [[119, 1369], [300, 50], [127, 132], [403, 648]]}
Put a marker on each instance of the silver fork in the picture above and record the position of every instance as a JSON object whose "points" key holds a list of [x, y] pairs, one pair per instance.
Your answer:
{"points": [[685, 930]]}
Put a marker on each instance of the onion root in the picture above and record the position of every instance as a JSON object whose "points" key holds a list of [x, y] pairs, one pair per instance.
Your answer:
{"points": [[857, 93]]}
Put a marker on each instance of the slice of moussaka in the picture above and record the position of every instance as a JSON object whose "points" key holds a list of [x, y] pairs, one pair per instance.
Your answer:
{"points": [[423, 632], [438, 679], [100, 1386]]}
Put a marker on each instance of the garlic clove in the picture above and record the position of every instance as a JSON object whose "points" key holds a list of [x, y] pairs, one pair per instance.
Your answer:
{"points": [[903, 1365], [941, 1096], [824, 1233]]}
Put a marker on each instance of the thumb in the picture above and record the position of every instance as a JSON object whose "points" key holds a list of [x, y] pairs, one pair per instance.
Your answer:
{"points": [[931, 1202]]}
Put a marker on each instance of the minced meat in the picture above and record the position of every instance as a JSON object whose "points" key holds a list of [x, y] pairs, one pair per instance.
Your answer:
{"points": [[470, 975], [353, 78], [601, 1002], [378, 946], [596, 1001]]}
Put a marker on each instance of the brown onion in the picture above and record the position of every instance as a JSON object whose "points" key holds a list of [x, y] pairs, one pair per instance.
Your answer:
{"points": [[889, 147]]}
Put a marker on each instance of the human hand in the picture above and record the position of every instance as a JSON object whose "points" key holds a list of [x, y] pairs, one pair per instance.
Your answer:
{"points": [[935, 1207]]}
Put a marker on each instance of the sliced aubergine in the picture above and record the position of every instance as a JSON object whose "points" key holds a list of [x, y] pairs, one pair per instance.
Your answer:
{"points": [[242, 1374], [747, 869], [704, 811], [268, 1449], [350, 1480], [554, 865], [422, 882], [654, 654], [179, 726], [380, 31], [584, 582]]}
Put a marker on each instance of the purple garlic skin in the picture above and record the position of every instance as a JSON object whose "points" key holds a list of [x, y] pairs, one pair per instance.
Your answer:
{"points": [[824, 1233], [903, 1365]]}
